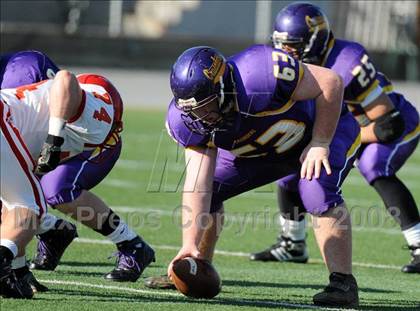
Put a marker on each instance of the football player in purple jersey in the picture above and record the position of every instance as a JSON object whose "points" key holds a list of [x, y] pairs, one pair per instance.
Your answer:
{"points": [[66, 188], [25, 67], [389, 126], [252, 119]]}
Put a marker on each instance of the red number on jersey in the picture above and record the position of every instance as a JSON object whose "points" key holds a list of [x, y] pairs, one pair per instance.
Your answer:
{"points": [[102, 115], [105, 98], [30, 87]]}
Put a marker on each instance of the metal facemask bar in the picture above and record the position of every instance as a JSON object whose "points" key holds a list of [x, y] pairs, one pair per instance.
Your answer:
{"points": [[191, 107], [281, 40]]}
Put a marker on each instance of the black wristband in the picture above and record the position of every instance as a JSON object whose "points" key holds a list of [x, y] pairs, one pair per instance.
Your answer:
{"points": [[54, 140]]}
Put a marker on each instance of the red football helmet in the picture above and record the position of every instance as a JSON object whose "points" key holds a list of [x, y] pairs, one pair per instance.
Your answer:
{"points": [[91, 78]]}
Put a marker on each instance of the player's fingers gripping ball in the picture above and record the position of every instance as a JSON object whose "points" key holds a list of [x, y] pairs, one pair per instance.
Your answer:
{"points": [[196, 278]]}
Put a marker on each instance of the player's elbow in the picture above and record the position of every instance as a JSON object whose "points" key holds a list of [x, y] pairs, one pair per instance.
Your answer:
{"points": [[64, 76], [66, 93], [67, 81]]}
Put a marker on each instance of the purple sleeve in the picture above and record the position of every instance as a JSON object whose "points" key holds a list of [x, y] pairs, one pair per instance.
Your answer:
{"points": [[26, 67], [266, 78], [287, 73], [361, 83], [360, 78], [178, 130]]}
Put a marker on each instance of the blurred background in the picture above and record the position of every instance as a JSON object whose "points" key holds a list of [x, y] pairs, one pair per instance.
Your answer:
{"points": [[138, 40]]}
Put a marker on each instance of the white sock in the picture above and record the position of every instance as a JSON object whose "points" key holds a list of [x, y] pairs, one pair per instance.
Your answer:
{"points": [[19, 262], [295, 230], [412, 235], [122, 233], [10, 245], [48, 222]]}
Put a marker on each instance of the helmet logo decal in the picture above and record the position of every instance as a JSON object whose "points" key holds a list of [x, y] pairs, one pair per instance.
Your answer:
{"points": [[315, 23], [216, 69]]}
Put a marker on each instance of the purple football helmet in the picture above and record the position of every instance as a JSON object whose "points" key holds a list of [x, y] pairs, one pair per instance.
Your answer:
{"points": [[197, 82], [302, 29]]}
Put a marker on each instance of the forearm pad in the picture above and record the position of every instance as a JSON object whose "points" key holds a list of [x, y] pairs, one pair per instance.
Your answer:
{"points": [[389, 127]]}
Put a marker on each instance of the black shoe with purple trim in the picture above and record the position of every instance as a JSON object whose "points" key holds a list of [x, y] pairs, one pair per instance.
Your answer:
{"points": [[133, 257], [52, 244]]}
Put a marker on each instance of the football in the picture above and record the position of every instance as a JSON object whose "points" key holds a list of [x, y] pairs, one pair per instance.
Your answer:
{"points": [[196, 278]]}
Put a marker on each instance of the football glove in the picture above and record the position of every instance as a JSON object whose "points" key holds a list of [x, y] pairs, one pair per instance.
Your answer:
{"points": [[50, 154]]}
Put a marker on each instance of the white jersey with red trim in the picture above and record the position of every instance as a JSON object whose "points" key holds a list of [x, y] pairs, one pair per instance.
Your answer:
{"points": [[29, 106], [19, 187]]}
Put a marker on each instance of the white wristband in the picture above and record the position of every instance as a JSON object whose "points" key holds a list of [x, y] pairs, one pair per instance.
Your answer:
{"points": [[56, 126]]}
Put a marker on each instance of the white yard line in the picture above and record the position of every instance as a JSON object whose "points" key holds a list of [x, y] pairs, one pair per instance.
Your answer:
{"points": [[237, 254], [119, 183], [173, 294], [147, 165], [126, 289]]}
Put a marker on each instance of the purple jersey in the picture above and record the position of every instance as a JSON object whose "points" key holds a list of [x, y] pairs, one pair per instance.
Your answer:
{"points": [[25, 67], [268, 122], [363, 83], [269, 133]]}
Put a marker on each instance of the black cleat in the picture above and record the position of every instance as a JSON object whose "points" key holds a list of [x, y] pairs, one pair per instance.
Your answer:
{"points": [[5, 266], [26, 275], [52, 244], [12, 287], [414, 265], [133, 257], [342, 292], [159, 282], [285, 250]]}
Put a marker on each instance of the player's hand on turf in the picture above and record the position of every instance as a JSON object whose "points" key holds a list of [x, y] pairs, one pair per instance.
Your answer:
{"points": [[313, 157], [185, 251], [50, 155]]}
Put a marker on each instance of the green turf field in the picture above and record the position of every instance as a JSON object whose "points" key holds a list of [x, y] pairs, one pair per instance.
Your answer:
{"points": [[144, 188]]}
